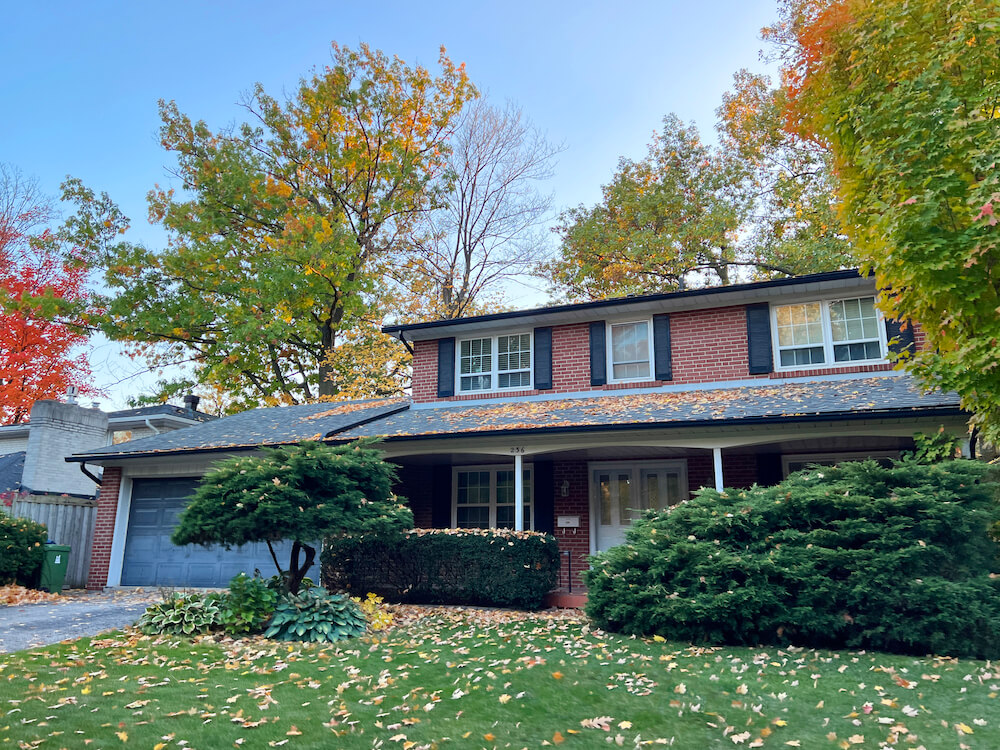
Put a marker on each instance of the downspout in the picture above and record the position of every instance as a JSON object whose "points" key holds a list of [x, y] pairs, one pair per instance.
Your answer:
{"points": [[150, 426], [90, 475], [405, 343]]}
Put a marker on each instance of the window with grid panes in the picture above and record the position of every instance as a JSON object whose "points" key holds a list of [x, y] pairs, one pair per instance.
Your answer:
{"points": [[484, 498], [854, 326], [630, 350], [835, 331], [476, 365], [514, 361]]}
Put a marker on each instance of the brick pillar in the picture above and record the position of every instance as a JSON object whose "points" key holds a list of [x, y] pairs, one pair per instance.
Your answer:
{"points": [[104, 528], [576, 502]]}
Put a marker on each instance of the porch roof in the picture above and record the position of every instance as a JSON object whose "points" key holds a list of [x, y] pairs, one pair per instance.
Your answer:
{"points": [[249, 429], [873, 397]]}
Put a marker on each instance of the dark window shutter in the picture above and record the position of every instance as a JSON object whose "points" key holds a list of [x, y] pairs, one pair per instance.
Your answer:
{"points": [[446, 367], [441, 497], [899, 334], [542, 341], [661, 348], [759, 339], [598, 354], [543, 480], [769, 469]]}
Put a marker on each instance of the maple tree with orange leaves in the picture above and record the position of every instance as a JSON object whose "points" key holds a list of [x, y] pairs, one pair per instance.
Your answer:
{"points": [[39, 354]]}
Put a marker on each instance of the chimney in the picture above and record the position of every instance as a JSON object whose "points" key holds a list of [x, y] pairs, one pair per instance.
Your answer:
{"points": [[191, 402], [56, 430]]}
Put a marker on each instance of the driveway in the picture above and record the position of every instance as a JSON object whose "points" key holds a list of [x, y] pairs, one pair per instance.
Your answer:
{"points": [[75, 615]]}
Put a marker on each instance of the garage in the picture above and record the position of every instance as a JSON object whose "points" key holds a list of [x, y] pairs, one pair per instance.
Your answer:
{"points": [[152, 560]]}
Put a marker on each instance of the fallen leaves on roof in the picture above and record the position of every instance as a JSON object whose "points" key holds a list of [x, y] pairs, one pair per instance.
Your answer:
{"points": [[784, 400], [352, 406]]}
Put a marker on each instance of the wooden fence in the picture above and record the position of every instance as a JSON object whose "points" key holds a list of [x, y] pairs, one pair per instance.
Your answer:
{"points": [[69, 520]]}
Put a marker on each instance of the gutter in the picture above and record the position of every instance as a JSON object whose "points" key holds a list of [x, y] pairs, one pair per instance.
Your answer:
{"points": [[150, 426], [848, 416], [852, 273]]}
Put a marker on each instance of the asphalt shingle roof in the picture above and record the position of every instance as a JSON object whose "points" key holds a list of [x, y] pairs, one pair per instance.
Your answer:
{"points": [[11, 469], [889, 396], [776, 400], [273, 426]]}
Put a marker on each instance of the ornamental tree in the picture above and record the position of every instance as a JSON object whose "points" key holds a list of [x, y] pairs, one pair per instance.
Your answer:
{"points": [[301, 494], [906, 96], [281, 232], [39, 353]]}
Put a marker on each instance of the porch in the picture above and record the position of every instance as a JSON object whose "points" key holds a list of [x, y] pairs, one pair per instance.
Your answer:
{"points": [[587, 489]]}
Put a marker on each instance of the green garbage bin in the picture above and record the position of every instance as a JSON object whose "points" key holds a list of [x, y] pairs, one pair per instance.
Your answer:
{"points": [[54, 566]]}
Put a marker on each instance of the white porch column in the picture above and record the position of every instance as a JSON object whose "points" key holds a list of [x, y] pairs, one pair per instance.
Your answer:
{"points": [[518, 492], [717, 458]]}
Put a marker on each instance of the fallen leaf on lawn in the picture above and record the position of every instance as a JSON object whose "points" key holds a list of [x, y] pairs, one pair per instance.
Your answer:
{"points": [[557, 675], [123, 736], [558, 739]]}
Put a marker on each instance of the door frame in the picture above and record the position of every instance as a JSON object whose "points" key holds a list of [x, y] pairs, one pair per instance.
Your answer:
{"points": [[636, 467]]}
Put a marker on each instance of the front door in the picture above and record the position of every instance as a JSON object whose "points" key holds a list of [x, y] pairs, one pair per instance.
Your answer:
{"points": [[621, 493]]}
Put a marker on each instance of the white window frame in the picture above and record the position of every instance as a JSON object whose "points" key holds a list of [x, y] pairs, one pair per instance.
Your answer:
{"points": [[495, 371], [828, 342], [610, 351], [492, 469], [828, 458]]}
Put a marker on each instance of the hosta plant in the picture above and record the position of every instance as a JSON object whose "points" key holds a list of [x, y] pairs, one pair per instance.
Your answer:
{"points": [[248, 605], [314, 615], [183, 614]]}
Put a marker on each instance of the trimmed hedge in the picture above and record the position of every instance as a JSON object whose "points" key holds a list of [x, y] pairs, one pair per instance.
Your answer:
{"points": [[854, 556], [498, 567], [21, 550]]}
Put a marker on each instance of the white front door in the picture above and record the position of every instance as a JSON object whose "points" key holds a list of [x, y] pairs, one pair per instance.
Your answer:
{"points": [[620, 493]]}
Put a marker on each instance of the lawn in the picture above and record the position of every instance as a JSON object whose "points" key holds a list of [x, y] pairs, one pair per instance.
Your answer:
{"points": [[471, 679]]}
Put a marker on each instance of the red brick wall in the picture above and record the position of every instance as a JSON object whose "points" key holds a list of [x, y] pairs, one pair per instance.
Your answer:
{"points": [[416, 485], [576, 503], [104, 528], [707, 346]]}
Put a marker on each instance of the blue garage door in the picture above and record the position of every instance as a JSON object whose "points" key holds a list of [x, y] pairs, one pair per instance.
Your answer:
{"points": [[152, 560]]}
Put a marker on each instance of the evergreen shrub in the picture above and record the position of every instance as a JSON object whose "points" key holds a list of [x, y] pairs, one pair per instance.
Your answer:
{"points": [[21, 550], [894, 558], [489, 567]]}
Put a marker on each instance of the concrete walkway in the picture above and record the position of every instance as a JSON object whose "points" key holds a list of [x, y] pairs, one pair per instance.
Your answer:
{"points": [[75, 615]]}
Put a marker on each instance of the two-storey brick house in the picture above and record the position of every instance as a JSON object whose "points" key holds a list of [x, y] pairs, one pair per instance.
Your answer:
{"points": [[571, 419]]}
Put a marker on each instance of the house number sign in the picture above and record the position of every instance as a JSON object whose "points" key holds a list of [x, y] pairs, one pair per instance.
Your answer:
{"points": [[517, 450]]}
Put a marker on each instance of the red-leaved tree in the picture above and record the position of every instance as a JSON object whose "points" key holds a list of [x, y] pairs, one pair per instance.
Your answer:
{"points": [[39, 355]]}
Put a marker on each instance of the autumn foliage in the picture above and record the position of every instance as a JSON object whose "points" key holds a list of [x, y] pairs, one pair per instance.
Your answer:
{"points": [[906, 96], [39, 354]]}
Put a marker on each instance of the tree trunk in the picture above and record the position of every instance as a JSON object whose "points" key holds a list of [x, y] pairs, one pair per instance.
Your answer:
{"points": [[297, 572]]}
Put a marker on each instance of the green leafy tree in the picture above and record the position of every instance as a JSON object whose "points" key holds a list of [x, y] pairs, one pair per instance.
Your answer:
{"points": [[280, 235], [906, 96], [793, 226], [298, 494], [663, 218]]}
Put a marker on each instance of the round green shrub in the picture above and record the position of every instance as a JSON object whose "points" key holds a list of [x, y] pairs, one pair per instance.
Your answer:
{"points": [[860, 555], [21, 550]]}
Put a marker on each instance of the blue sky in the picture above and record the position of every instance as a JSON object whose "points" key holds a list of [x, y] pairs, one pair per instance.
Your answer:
{"points": [[81, 81]]}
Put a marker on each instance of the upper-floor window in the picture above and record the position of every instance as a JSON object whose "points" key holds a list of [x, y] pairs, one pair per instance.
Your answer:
{"points": [[630, 350], [494, 363], [832, 331]]}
